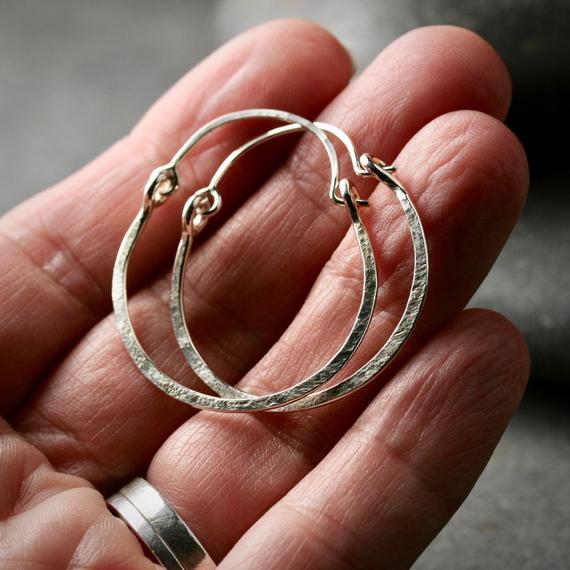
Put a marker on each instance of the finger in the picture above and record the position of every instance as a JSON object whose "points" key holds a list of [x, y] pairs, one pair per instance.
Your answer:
{"points": [[235, 329], [468, 193], [57, 250], [400, 472], [54, 520]]}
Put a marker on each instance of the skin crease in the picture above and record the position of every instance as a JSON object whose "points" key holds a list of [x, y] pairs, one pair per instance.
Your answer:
{"points": [[403, 457]]}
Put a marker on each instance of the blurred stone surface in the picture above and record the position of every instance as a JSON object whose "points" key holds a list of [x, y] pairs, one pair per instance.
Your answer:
{"points": [[516, 517], [526, 32], [530, 282], [75, 76]]}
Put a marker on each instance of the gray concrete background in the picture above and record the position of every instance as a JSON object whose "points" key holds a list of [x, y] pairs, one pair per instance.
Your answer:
{"points": [[75, 76]]}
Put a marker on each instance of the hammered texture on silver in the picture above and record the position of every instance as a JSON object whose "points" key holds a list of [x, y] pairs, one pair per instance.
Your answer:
{"points": [[204, 203]]}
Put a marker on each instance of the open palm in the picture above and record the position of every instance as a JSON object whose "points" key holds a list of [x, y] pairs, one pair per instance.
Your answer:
{"points": [[366, 482]]}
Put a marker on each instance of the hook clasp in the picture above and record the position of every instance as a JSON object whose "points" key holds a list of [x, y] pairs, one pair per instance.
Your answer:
{"points": [[199, 207], [161, 184], [348, 191], [376, 167]]}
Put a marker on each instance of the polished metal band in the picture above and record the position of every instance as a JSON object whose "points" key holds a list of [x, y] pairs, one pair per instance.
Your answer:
{"points": [[157, 525]]}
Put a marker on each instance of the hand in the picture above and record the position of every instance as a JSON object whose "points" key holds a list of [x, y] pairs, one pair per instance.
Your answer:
{"points": [[366, 482]]}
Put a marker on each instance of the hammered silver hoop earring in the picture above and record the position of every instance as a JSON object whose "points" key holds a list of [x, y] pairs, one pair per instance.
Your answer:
{"points": [[206, 202], [200, 206]]}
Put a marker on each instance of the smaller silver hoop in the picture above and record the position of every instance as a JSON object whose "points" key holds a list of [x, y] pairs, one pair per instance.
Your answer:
{"points": [[363, 166], [350, 198]]}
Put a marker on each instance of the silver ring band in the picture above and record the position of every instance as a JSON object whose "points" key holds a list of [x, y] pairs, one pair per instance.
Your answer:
{"points": [[157, 525]]}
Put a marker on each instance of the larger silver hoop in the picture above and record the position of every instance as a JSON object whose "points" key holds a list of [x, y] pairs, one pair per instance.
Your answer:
{"points": [[163, 183]]}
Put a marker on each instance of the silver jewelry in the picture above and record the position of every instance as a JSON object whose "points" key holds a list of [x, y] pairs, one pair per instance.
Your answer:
{"points": [[155, 522], [204, 203], [325, 373]]}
